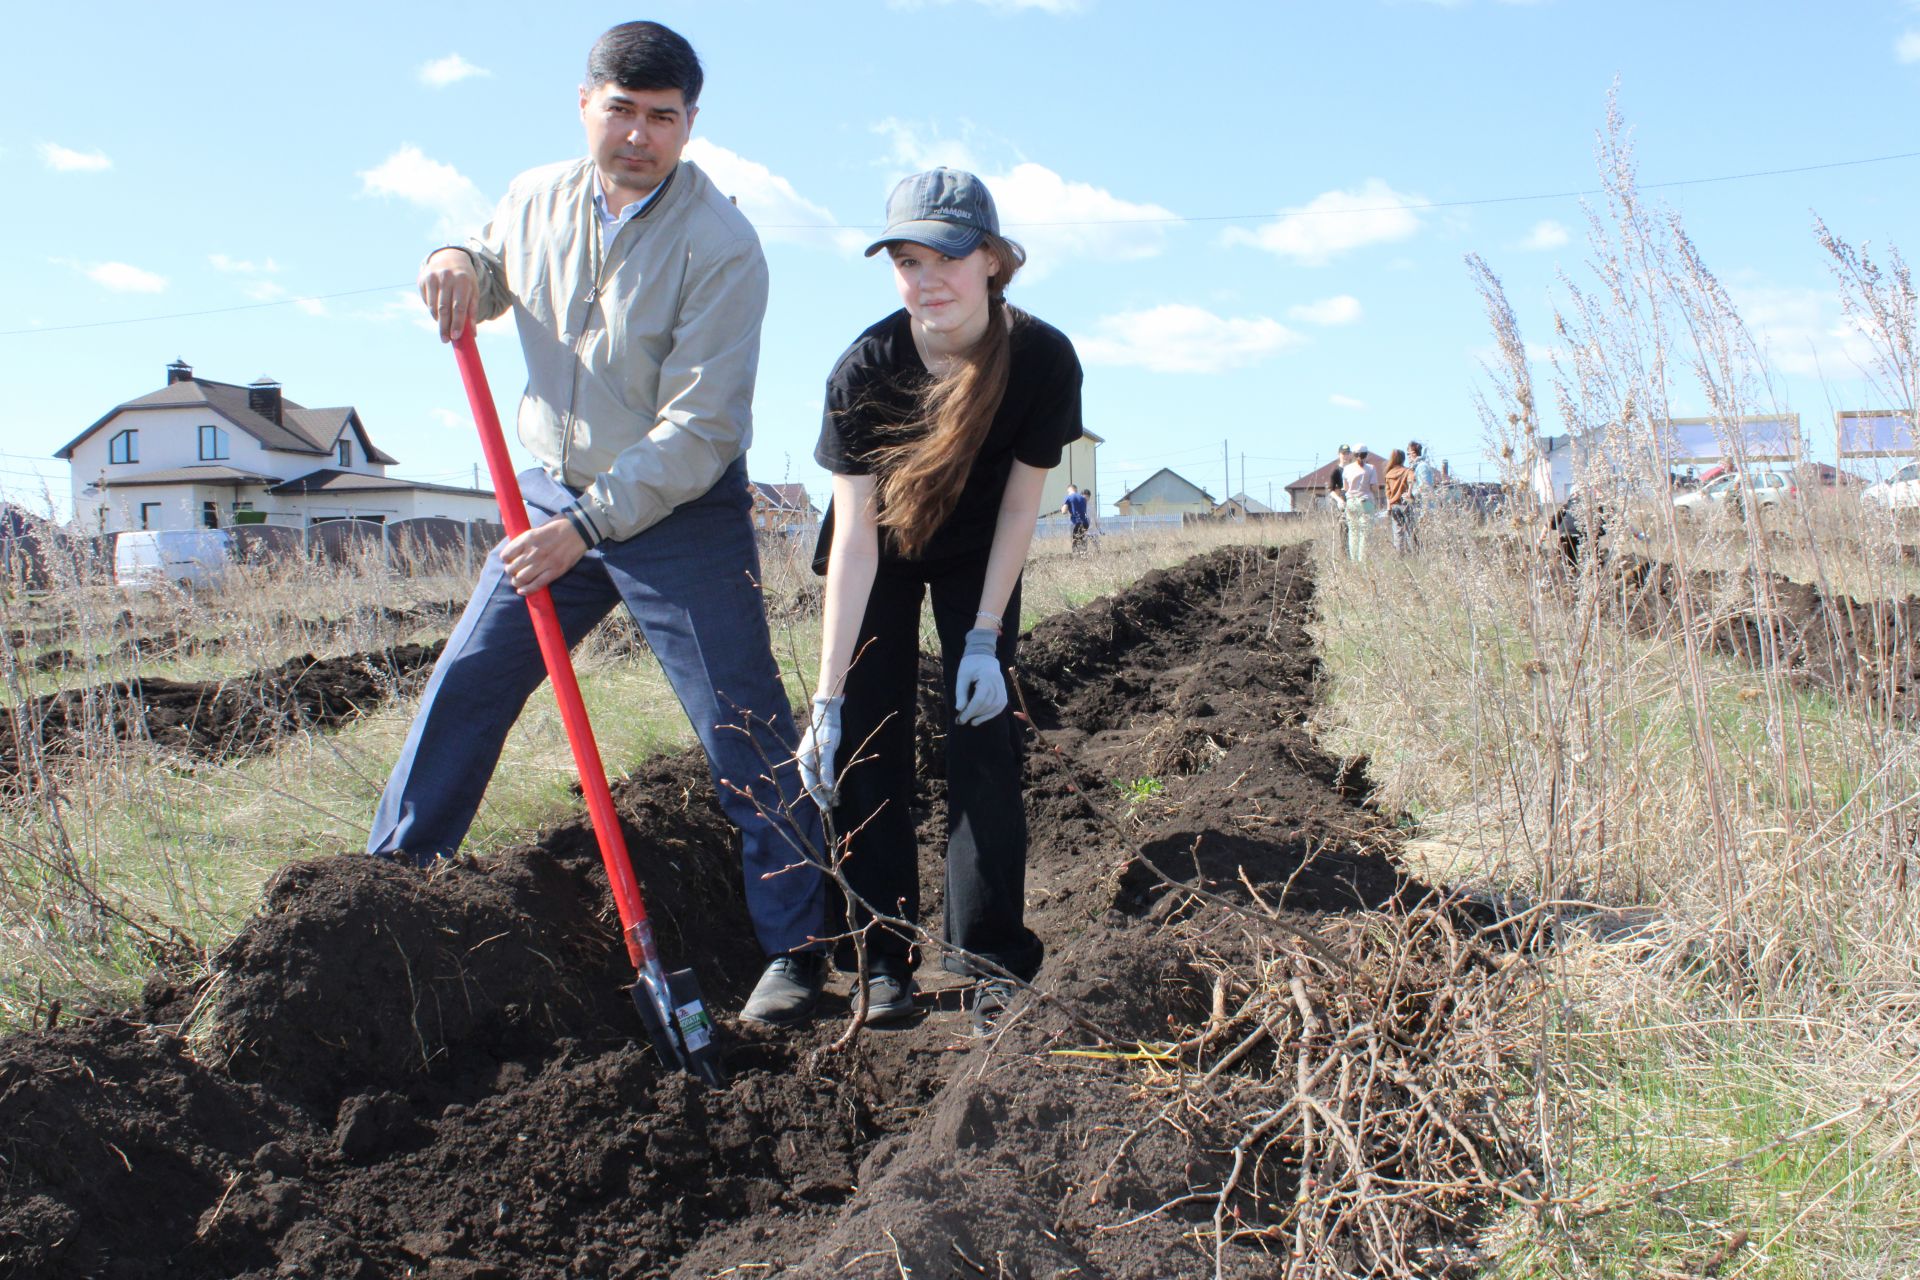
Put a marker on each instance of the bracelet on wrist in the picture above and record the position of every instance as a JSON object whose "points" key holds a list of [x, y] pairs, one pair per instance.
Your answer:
{"points": [[999, 624]]}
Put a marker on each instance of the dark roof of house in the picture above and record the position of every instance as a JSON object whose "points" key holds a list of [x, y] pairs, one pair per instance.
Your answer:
{"points": [[334, 480], [301, 430], [787, 497], [1318, 478], [1165, 471], [212, 473]]}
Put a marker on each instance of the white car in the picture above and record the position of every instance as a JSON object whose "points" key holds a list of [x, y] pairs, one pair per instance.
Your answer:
{"points": [[144, 560], [1770, 488], [1901, 489]]}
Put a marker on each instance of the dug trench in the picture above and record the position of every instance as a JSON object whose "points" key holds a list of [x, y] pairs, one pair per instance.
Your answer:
{"points": [[394, 1073]]}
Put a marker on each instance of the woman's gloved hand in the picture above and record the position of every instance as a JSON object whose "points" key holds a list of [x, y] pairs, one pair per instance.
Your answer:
{"points": [[980, 690], [818, 746]]}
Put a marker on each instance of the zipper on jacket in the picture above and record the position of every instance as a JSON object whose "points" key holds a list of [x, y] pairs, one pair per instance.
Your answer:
{"points": [[602, 267]]}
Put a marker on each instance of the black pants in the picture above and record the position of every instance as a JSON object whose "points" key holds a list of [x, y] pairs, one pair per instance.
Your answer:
{"points": [[986, 815]]}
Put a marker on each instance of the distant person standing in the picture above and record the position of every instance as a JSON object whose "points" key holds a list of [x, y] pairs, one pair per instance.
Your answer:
{"points": [[1426, 489], [1360, 484], [1076, 510], [1397, 486]]}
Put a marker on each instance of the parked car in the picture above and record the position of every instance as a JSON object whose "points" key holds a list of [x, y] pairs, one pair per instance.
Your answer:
{"points": [[1769, 488], [144, 559], [1897, 491]]}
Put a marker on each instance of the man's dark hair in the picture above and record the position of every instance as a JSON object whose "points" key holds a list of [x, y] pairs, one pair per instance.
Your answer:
{"points": [[1413, 446], [646, 55]]}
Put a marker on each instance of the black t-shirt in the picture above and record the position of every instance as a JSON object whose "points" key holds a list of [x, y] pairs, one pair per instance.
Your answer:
{"points": [[877, 384]]}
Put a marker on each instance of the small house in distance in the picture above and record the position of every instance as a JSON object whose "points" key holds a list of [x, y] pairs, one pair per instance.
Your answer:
{"points": [[1239, 507], [782, 508], [1310, 491], [204, 453], [1165, 492]]}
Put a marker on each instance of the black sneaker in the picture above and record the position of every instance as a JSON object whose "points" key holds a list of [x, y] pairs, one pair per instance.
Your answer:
{"points": [[991, 997], [889, 991], [788, 990]]}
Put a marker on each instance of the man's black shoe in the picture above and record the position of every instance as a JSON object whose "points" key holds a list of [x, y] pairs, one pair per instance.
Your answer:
{"points": [[889, 991], [788, 990]]}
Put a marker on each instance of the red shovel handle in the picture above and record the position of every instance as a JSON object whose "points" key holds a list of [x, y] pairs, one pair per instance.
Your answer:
{"points": [[553, 649]]}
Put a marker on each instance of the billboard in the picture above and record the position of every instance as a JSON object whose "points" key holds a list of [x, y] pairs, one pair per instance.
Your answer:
{"points": [[1876, 433], [1752, 437]]}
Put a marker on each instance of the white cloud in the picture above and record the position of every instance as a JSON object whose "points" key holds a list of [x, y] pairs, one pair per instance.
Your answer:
{"points": [[1177, 338], [911, 150], [451, 69], [1803, 332], [770, 202], [1345, 402], [1336, 222], [1340, 309], [1907, 47], [66, 160], [449, 419], [1054, 217], [121, 277], [1546, 234], [439, 188]]}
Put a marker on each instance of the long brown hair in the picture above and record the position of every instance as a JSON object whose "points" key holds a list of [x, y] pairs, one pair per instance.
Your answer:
{"points": [[921, 476]]}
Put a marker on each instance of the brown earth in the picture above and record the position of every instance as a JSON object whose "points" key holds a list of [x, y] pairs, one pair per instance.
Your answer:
{"points": [[404, 1074], [1853, 649], [211, 719]]}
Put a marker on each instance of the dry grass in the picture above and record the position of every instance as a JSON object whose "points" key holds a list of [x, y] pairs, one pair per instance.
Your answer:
{"points": [[1726, 859]]}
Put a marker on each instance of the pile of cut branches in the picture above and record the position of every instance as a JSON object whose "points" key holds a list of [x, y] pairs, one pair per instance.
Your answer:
{"points": [[1367, 1074]]}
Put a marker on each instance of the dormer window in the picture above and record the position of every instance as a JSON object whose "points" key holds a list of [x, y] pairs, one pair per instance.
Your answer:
{"points": [[124, 447], [346, 451], [213, 444]]}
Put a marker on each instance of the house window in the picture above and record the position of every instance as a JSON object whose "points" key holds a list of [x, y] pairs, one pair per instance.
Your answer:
{"points": [[125, 447], [346, 452], [210, 515], [149, 512], [213, 444]]}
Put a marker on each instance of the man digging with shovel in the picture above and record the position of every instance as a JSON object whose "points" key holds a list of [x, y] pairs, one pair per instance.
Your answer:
{"points": [[638, 290]]}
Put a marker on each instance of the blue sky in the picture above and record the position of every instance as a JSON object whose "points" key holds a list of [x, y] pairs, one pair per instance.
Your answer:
{"points": [[1228, 210]]}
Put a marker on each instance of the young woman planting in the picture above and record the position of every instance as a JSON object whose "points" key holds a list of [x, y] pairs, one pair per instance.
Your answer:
{"points": [[941, 423]]}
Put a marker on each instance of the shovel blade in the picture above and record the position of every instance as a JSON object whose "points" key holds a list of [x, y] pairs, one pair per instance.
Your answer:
{"points": [[684, 1038]]}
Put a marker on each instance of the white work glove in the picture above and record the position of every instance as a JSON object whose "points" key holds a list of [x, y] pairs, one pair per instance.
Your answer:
{"points": [[980, 691], [817, 748]]}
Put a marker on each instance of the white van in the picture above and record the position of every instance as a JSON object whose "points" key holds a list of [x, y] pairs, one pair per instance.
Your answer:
{"points": [[149, 558]]}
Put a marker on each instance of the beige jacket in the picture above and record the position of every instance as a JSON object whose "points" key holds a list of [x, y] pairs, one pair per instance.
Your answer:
{"points": [[641, 360]]}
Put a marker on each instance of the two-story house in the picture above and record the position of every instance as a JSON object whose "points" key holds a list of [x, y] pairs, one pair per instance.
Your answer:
{"points": [[199, 452]]}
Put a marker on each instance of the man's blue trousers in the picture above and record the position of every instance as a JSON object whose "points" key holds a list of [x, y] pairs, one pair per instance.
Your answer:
{"points": [[692, 584]]}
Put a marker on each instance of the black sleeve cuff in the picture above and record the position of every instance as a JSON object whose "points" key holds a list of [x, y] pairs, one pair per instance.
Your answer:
{"points": [[582, 525]]}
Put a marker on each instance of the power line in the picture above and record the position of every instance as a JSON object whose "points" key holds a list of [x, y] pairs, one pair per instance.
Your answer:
{"points": [[1412, 206], [1409, 206]]}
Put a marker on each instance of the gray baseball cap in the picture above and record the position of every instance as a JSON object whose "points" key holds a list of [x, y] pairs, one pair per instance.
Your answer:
{"points": [[943, 209]]}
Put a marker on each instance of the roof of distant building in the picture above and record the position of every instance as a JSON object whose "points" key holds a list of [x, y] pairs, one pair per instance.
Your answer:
{"points": [[300, 430], [333, 480]]}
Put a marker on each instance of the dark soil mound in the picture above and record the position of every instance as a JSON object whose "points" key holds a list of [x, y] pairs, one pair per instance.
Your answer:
{"points": [[405, 1074], [1867, 650], [213, 719]]}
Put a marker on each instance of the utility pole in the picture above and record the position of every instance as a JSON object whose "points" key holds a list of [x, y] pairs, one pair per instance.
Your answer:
{"points": [[1243, 472], [1226, 471]]}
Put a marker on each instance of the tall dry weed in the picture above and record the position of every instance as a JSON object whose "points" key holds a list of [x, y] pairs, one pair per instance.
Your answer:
{"points": [[1712, 851]]}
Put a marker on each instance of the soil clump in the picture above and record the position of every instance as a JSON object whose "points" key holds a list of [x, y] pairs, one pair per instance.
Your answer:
{"points": [[395, 1073], [212, 719]]}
